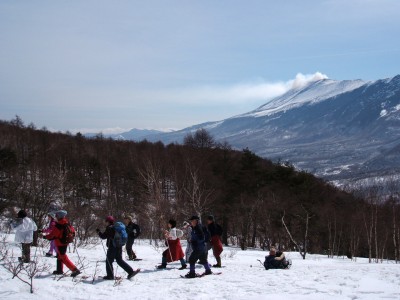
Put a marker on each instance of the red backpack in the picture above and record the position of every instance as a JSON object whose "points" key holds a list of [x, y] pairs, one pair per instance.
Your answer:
{"points": [[68, 233]]}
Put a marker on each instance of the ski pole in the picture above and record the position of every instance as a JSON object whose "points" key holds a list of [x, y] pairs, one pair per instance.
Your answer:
{"points": [[260, 262], [105, 252]]}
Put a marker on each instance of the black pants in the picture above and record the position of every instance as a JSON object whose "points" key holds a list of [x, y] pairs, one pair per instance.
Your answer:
{"points": [[200, 256], [129, 250], [26, 252], [115, 253]]}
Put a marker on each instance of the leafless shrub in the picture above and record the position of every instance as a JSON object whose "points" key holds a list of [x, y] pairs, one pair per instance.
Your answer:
{"points": [[4, 247], [25, 272]]}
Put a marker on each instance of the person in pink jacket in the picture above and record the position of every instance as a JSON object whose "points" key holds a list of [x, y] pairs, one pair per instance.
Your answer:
{"points": [[50, 227]]}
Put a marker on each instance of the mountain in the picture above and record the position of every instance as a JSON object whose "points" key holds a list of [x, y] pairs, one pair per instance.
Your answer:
{"points": [[339, 130], [133, 134]]}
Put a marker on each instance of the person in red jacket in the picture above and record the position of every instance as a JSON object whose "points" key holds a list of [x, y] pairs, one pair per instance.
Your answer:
{"points": [[61, 247]]}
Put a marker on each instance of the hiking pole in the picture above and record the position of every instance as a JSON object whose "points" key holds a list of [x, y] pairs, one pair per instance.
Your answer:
{"points": [[260, 262], [105, 252]]}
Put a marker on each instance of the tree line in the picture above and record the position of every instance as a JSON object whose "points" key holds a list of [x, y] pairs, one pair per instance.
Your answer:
{"points": [[257, 202]]}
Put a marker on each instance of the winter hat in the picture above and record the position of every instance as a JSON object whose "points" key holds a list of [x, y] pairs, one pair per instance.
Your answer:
{"points": [[172, 222], [52, 214], [61, 214], [22, 214], [110, 219], [211, 218], [194, 218], [128, 218]]}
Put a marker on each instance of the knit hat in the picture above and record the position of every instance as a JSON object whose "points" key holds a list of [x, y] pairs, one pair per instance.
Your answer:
{"points": [[22, 214], [52, 214], [211, 218], [194, 218], [61, 214], [110, 219]]}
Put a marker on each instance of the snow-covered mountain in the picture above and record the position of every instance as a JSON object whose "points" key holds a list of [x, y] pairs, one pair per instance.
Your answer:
{"points": [[336, 129]]}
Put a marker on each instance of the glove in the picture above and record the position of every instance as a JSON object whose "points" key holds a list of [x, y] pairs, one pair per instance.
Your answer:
{"points": [[97, 230]]}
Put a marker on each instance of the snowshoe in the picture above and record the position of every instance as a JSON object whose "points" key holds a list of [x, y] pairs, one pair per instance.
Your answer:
{"points": [[191, 275]]}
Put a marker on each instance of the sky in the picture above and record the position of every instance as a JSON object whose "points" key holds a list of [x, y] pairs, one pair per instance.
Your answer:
{"points": [[93, 65]]}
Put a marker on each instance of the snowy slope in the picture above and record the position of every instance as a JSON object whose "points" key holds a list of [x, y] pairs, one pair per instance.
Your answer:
{"points": [[314, 92], [317, 277]]}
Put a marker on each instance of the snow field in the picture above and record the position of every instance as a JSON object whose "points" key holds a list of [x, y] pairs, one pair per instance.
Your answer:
{"points": [[317, 277]]}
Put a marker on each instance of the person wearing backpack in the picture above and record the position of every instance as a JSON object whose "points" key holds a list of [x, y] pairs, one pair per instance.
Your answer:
{"points": [[24, 228], [174, 251], [133, 231], [63, 233], [116, 237], [197, 239], [215, 239]]}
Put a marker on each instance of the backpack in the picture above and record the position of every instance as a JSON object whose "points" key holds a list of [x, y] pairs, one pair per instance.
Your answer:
{"points": [[120, 236], [68, 234], [218, 230]]}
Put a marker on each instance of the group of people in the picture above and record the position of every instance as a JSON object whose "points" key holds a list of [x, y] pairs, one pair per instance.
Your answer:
{"points": [[200, 239]]}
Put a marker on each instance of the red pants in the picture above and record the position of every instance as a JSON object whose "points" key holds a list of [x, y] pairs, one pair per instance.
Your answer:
{"points": [[62, 259], [216, 246]]}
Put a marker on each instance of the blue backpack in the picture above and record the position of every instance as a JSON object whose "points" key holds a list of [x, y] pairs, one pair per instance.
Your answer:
{"points": [[120, 236]]}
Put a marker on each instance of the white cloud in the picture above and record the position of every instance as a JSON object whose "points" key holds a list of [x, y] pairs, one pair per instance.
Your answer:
{"points": [[239, 93], [301, 80]]}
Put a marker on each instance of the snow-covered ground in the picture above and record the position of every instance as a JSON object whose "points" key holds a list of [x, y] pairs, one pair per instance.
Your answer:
{"points": [[317, 277]]}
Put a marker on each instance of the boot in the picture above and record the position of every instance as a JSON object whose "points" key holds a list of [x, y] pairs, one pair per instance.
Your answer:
{"points": [[190, 275], [57, 272], [162, 266], [75, 273], [183, 267], [218, 264], [208, 272], [108, 277], [59, 269]]}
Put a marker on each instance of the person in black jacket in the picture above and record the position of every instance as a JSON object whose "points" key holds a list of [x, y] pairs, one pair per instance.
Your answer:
{"points": [[113, 252], [197, 240], [276, 260], [215, 239], [133, 231]]}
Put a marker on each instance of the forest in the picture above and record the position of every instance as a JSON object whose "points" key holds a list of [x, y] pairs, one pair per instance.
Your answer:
{"points": [[257, 202]]}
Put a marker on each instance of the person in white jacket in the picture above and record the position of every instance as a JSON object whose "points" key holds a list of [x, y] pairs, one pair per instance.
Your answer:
{"points": [[24, 228]]}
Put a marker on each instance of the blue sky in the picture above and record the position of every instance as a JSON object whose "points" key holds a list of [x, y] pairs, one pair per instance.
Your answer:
{"points": [[95, 65]]}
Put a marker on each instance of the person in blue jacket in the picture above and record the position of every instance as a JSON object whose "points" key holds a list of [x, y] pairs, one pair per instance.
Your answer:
{"points": [[197, 239]]}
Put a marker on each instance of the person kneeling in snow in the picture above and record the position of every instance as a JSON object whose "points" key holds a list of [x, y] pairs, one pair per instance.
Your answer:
{"points": [[62, 234], [174, 251], [276, 260], [114, 251]]}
